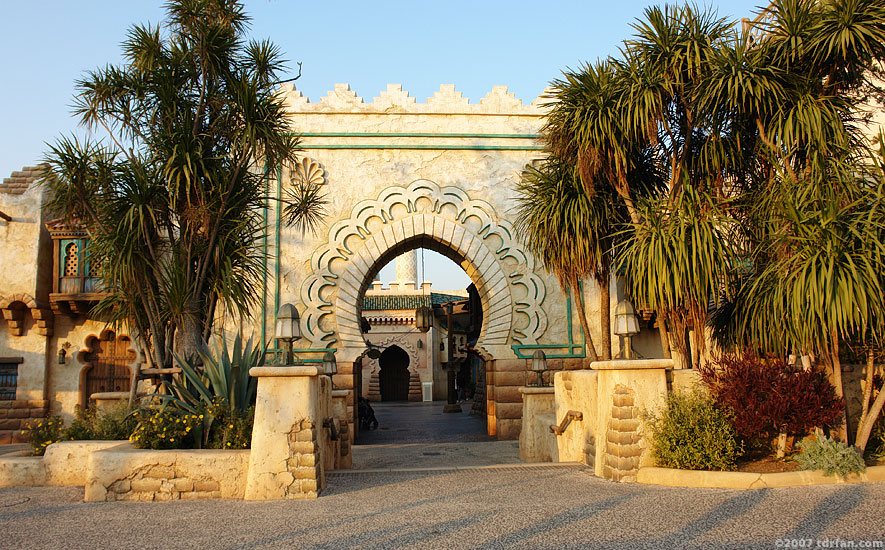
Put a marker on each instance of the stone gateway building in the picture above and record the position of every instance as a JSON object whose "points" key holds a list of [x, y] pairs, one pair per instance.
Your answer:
{"points": [[400, 175]]}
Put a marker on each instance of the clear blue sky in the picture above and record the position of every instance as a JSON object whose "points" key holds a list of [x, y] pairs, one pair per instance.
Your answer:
{"points": [[47, 44]]}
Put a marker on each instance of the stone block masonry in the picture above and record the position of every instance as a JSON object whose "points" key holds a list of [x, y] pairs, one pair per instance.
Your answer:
{"points": [[622, 439], [16, 416], [124, 473]]}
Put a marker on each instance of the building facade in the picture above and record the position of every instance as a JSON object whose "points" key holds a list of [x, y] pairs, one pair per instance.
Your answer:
{"points": [[400, 175]]}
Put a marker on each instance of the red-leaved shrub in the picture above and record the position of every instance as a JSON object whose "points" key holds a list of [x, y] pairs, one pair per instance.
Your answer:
{"points": [[769, 396]]}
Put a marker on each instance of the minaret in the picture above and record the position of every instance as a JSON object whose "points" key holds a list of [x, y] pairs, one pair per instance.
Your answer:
{"points": [[407, 268]]}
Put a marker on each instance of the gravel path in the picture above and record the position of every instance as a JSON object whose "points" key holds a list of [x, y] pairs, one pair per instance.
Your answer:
{"points": [[509, 506], [546, 507]]}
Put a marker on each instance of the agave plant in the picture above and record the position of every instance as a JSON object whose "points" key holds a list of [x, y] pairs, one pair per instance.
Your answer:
{"points": [[221, 385]]}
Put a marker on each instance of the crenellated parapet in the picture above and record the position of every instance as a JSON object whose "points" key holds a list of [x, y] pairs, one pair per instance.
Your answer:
{"points": [[395, 100]]}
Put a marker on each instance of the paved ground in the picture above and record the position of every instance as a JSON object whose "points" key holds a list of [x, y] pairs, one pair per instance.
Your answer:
{"points": [[420, 435], [509, 506]]}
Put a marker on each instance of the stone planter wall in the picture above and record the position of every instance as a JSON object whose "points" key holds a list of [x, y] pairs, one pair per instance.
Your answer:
{"points": [[126, 473]]}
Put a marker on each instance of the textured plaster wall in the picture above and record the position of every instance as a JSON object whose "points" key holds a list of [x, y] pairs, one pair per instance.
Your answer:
{"points": [[31, 347], [20, 243]]}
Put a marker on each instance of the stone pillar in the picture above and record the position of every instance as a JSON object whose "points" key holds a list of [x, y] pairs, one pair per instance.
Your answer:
{"points": [[289, 437], [344, 458], [537, 443], [626, 387]]}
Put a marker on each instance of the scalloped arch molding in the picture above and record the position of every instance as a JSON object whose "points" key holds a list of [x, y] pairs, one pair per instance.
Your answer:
{"points": [[443, 218]]}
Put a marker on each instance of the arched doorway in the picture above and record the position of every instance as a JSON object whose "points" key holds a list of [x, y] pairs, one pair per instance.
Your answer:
{"points": [[509, 291], [107, 360], [394, 374]]}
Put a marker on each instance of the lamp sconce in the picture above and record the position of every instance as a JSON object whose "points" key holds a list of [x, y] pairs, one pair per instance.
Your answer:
{"points": [[539, 366], [288, 328], [63, 352], [423, 318], [626, 325]]}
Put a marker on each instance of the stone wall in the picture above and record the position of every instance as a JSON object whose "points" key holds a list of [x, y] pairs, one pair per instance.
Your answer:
{"points": [[15, 416], [577, 391], [125, 473]]}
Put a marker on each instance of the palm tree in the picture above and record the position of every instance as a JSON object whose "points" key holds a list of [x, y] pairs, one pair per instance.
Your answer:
{"points": [[570, 232], [173, 201]]}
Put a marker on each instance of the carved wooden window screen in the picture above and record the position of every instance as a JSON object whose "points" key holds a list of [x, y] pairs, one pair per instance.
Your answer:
{"points": [[72, 260]]}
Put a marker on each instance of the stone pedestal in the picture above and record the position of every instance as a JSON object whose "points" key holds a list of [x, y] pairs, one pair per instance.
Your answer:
{"points": [[343, 458], [537, 443], [289, 438], [626, 387]]}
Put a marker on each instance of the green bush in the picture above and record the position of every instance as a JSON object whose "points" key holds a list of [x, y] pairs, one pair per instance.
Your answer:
{"points": [[231, 428], [168, 428], [829, 455], [693, 434], [44, 432], [113, 424]]}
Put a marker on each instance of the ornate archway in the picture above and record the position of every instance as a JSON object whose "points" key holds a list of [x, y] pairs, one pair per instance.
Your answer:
{"points": [[444, 219]]}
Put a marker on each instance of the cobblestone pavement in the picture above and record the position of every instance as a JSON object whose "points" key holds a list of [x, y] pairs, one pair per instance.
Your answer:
{"points": [[475, 506]]}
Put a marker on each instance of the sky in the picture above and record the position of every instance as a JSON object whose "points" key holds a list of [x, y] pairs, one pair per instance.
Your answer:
{"points": [[46, 45]]}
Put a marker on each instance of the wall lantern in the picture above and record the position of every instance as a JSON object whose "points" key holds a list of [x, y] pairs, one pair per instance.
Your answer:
{"points": [[330, 366], [539, 365], [626, 325], [423, 318], [288, 328], [61, 356]]}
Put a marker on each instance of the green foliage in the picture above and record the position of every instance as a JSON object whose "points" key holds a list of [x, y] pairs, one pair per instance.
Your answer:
{"points": [[173, 200], [692, 433], [116, 423], [167, 428], [44, 432], [219, 390], [231, 428], [831, 456]]}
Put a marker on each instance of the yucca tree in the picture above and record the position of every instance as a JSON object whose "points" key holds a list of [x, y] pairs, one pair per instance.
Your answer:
{"points": [[172, 199], [571, 233]]}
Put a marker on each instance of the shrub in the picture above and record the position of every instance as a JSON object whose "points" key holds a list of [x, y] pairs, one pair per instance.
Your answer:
{"points": [[44, 432], [694, 434], [829, 455], [770, 397], [231, 429], [167, 428], [221, 389], [113, 424]]}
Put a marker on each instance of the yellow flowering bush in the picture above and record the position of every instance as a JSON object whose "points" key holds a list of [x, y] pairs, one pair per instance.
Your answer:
{"points": [[167, 428], [44, 432]]}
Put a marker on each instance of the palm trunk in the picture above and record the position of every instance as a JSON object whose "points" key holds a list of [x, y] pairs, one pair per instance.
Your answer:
{"points": [[866, 426], [605, 320], [664, 333], [867, 392], [585, 326], [837, 382]]}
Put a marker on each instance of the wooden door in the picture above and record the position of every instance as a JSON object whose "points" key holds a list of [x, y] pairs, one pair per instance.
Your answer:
{"points": [[108, 365], [394, 375]]}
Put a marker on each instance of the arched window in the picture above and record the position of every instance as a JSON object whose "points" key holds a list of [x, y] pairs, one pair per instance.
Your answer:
{"points": [[72, 260]]}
